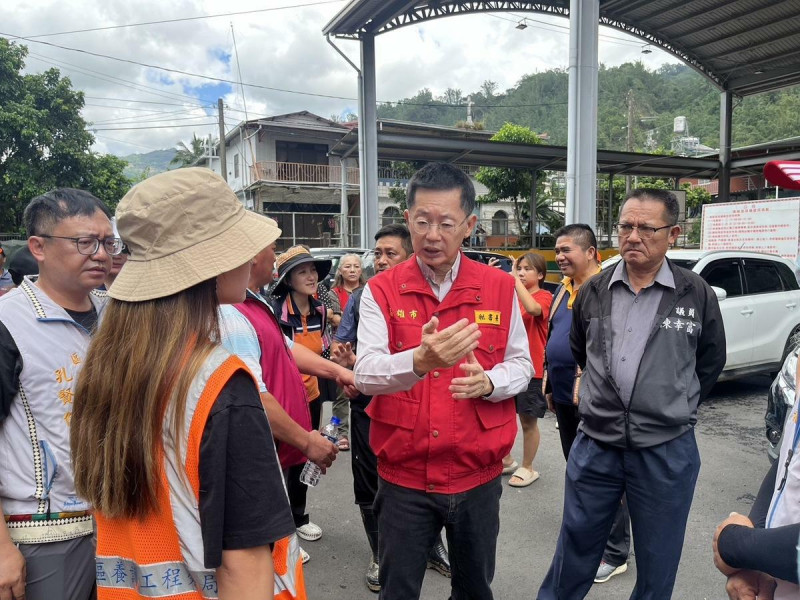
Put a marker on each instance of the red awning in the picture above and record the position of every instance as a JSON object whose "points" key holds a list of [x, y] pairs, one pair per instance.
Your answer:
{"points": [[783, 173]]}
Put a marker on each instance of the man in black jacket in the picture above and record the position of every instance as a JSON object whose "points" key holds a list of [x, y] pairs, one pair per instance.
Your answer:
{"points": [[649, 339]]}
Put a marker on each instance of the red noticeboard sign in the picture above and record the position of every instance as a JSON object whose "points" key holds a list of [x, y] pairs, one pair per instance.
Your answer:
{"points": [[783, 173]]}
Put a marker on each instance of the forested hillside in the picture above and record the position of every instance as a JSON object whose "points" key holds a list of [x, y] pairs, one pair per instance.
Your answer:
{"points": [[539, 101]]}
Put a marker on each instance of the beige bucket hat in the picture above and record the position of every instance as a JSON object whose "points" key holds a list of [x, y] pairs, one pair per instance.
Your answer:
{"points": [[183, 227]]}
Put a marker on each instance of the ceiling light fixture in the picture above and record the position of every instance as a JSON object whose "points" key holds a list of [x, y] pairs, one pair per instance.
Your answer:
{"points": [[522, 25], [646, 49]]}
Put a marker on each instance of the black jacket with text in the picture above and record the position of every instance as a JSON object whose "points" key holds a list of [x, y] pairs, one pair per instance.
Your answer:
{"points": [[684, 355]]}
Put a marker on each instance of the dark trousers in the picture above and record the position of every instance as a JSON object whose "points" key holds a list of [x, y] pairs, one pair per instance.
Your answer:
{"points": [[61, 570], [363, 462], [296, 489], [568, 421], [618, 545], [409, 522], [659, 484]]}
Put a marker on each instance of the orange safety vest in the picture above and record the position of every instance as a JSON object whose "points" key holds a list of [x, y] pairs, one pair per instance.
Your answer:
{"points": [[161, 555]]}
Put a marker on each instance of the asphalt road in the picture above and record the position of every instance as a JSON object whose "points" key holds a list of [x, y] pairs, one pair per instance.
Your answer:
{"points": [[730, 434]]}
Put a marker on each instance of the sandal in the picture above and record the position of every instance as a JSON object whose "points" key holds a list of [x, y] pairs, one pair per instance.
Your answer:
{"points": [[508, 469], [524, 476], [343, 444]]}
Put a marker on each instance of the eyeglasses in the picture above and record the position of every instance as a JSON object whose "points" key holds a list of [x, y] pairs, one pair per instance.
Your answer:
{"points": [[422, 227], [645, 232], [90, 245]]}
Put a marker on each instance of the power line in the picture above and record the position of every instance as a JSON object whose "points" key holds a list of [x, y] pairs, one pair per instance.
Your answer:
{"points": [[610, 38], [178, 20], [120, 107], [264, 87], [164, 122], [141, 101], [105, 137], [93, 129], [140, 87]]}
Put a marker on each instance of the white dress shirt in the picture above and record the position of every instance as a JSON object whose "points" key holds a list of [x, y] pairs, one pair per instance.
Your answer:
{"points": [[377, 371]]}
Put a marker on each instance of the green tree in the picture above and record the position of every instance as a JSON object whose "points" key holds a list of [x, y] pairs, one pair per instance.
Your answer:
{"points": [[44, 142], [695, 197], [452, 96], [187, 155], [515, 184]]}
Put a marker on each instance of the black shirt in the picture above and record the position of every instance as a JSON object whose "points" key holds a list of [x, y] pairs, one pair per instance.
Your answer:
{"points": [[771, 551], [243, 502]]}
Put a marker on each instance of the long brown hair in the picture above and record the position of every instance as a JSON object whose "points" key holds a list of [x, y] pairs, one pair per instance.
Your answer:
{"points": [[143, 358]]}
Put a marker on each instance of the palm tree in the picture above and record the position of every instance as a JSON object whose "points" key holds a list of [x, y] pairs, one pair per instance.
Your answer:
{"points": [[186, 156]]}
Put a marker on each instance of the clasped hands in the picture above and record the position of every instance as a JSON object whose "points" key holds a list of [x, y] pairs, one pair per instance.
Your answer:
{"points": [[443, 349], [742, 584]]}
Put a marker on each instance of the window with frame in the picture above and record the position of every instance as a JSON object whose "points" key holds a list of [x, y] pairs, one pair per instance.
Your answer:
{"points": [[500, 223], [724, 274], [762, 277], [788, 277], [236, 166]]}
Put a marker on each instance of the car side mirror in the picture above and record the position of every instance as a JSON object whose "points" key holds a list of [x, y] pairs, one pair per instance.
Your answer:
{"points": [[721, 294]]}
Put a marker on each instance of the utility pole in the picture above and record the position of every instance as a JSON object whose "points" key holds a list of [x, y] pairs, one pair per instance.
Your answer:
{"points": [[223, 165], [630, 137]]}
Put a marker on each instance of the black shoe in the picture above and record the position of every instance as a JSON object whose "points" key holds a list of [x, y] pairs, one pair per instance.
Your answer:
{"points": [[438, 559]]}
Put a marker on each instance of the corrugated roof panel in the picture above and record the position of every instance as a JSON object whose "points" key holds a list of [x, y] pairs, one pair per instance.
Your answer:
{"points": [[724, 39]]}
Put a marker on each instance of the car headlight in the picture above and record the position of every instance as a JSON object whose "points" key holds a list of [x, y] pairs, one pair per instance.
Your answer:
{"points": [[786, 378]]}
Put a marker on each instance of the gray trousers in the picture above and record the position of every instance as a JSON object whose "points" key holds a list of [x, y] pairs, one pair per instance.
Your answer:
{"points": [[60, 570]]}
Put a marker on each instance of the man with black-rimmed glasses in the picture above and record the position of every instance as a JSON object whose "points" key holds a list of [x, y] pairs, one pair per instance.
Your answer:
{"points": [[46, 545], [649, 339]]}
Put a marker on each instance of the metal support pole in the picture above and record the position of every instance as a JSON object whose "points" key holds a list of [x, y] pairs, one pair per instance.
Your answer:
{"points": [[534, 181], [725, 119], [223, 163], [343, 206], [344, 226], [610, 216], [584, 27], [368, 122]]}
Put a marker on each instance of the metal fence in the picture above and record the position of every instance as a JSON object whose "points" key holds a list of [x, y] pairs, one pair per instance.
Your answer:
{"points": [[323, 230]]}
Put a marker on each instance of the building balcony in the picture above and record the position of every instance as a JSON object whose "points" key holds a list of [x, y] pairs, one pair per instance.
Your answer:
{"points": [[271, 171]]}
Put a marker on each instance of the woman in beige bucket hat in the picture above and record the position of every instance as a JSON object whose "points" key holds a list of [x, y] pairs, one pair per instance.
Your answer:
{"points": [[167, 425]]}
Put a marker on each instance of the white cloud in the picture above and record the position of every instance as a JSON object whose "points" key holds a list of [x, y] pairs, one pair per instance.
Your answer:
{"points": [[280, 49]]}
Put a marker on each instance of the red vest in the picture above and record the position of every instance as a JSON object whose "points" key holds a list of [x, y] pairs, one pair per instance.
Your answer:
{"points": [[423, 438], [279, 372]]}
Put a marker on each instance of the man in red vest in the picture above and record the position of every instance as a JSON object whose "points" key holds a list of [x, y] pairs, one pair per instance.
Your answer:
{"points": [[442, 348]]}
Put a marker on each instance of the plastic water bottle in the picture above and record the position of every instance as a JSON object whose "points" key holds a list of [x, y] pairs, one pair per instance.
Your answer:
{"points": [[311, 472]]}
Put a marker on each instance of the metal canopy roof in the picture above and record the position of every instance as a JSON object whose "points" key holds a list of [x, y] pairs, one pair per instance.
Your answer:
{"points": [[744, 46], [405, 141]]}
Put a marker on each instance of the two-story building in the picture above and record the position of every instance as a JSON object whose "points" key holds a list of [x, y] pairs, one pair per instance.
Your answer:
{"points": [[283, 167]]}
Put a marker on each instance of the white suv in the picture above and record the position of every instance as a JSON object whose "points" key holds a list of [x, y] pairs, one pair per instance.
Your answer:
{"points": [[759, 297]]}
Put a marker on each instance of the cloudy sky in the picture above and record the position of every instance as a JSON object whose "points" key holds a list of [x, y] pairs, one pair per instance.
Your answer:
{"points": [[137, 107]]}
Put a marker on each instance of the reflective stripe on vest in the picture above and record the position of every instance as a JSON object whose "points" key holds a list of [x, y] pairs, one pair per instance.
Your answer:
{"points": [[161, 555]]}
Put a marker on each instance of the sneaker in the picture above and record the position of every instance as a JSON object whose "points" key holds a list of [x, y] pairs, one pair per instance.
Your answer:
{"points": [[606, 571], [310, 532], [373, 583], [304, 556]]}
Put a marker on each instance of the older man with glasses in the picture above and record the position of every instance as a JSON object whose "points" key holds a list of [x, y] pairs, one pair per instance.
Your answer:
{"points": [[442, 347], [46, 542], [649, 339]]}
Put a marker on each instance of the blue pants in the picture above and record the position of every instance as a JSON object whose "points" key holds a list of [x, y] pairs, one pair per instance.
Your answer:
{"points": [[659, 484], [409, 522]]}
